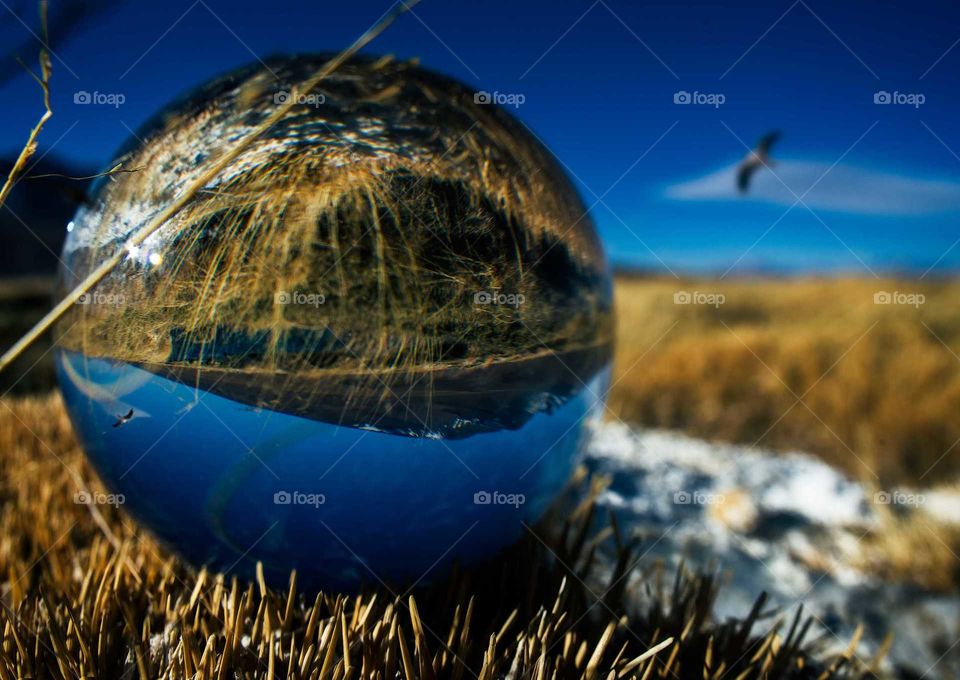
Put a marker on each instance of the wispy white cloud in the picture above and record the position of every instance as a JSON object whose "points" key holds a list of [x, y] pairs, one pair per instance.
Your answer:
{"points": [[845, 188]]}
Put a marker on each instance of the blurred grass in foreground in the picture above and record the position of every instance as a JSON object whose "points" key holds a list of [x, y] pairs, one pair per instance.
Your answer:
{"points": [[815, 365]]}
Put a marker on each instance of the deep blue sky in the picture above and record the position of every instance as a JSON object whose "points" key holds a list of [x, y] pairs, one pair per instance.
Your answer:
{"points": [[599, 81]]}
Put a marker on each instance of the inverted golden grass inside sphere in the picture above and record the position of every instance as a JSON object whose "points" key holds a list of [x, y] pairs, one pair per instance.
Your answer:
{"points": [[386, 321]]}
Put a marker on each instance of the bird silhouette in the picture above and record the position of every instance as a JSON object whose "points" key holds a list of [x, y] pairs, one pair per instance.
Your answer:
{"points": [[121, 420], [758, 158]]}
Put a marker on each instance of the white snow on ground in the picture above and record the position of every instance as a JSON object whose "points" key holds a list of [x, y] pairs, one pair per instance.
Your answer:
{"points": [[787, 524], [943, 505]]}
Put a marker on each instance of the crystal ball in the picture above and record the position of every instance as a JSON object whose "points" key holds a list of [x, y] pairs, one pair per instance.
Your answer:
{"points": [[367, 349]]}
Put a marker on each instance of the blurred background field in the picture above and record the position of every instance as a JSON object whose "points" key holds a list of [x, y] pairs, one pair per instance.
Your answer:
{"points": [[811, 364], [838, 367]]}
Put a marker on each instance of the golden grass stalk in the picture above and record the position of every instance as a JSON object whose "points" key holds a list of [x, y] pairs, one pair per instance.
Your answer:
{"points": [[31, 145]]}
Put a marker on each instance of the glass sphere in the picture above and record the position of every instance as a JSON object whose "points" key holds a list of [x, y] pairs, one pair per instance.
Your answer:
{"points": [[366, 350]]}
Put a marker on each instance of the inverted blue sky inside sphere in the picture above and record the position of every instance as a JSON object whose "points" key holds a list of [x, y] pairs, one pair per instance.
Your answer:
{"points": [[227, 485]]}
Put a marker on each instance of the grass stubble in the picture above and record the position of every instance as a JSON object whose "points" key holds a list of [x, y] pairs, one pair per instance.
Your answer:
{"points": [[77, 603]]}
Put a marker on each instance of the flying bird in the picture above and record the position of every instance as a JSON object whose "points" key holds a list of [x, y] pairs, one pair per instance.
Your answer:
{"points": [[756, 159], [122, 420]]}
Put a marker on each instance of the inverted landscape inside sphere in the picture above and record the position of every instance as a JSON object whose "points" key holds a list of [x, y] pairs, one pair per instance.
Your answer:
{"points": [[392, 255]]}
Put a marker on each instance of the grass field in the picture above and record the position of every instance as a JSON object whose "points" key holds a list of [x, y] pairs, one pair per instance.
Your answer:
{"points": [[87, 593], [807, 364], [815, 365]]}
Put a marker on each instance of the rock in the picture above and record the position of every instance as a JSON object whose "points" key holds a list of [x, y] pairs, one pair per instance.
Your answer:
{"points": [[787, 524]]}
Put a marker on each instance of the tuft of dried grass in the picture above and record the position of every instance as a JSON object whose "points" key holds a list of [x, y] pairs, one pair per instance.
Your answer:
{"points": [[77, 604], [912, 546], [30, 146]]}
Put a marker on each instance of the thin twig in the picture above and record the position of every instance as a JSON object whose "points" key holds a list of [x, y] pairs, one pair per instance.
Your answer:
{"points": [[117, 169]]}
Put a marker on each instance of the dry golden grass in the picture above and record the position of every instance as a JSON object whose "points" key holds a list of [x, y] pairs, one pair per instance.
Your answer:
{"points": [[808, 364], [85, 595], [912, 547], [812, 365]]}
